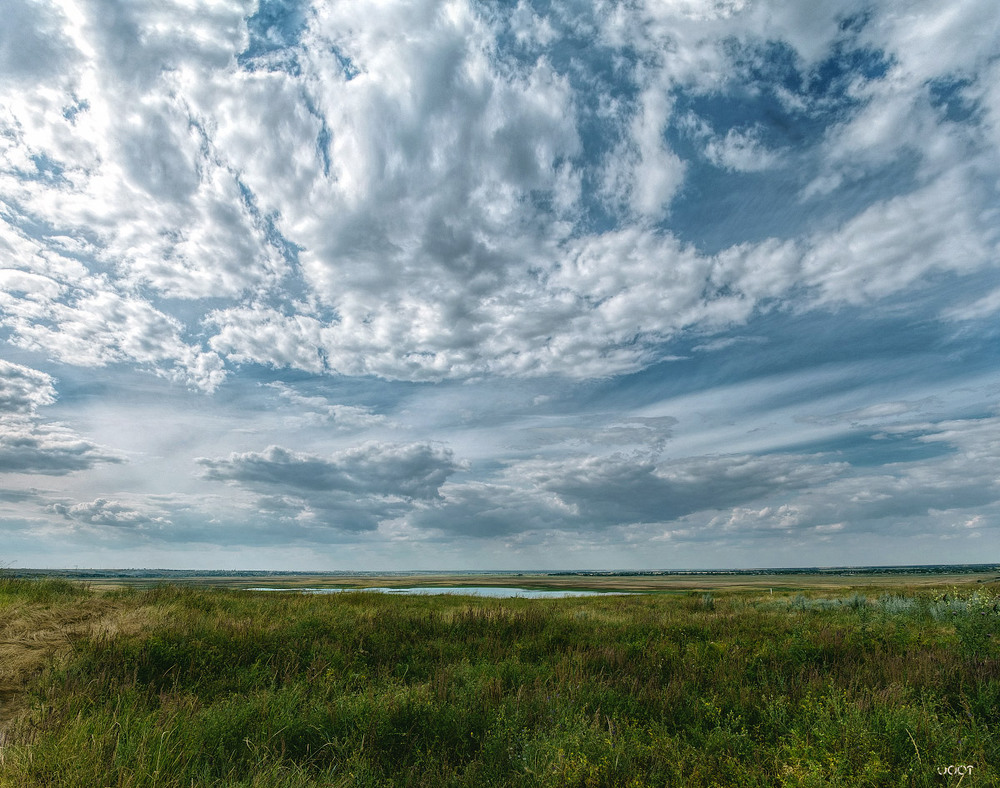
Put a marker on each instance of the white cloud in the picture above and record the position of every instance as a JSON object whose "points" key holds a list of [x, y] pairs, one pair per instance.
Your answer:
{"points": [[104, 169], [655, 173], [90, 325], [460, 310], [28, 444], [878, 412], [894, 243], [266, 336], [923, 44], [314, 409], [32, 44], [740, 151], [24, 390], [102, 511], [387, 193], [985, 306]]}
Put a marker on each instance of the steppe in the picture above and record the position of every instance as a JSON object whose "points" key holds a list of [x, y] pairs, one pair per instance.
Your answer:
{"points": [[838, 677]]}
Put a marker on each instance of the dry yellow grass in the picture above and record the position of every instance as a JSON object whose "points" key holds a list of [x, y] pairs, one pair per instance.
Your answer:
{"points": [[33, 635]]}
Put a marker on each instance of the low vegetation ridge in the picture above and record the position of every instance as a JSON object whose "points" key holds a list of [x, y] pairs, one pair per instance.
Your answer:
{"points": [[179, 686], [920, 569]]}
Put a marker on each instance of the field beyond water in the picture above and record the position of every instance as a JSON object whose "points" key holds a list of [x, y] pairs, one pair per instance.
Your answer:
{"points": [[894, 685]]}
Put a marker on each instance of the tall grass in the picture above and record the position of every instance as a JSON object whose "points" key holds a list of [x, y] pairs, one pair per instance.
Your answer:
{"points": [[26, 590], [243, 689]]}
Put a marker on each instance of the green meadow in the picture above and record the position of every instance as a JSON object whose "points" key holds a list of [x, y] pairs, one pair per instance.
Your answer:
{"points": [[175, 686]]}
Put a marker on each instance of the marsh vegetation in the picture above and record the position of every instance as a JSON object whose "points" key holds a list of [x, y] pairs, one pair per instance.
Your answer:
{"points": [[182, 686]]}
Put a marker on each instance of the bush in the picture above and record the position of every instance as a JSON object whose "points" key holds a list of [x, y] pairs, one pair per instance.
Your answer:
{"points": [[978, 625]]}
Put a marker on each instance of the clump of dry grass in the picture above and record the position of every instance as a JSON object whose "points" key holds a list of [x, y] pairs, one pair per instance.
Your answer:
{"points": [[40, 620]]}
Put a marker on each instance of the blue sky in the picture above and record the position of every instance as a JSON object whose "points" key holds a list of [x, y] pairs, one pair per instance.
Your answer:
{"points": [[476, 285]]}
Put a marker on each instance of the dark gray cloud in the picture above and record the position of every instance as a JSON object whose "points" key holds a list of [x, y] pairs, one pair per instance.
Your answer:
{"points": [[950, 495], [17, 496], [413, 470], [28, 443], [28, 446], [353, 489], [618, 489], [490, 510], [593, 494]]}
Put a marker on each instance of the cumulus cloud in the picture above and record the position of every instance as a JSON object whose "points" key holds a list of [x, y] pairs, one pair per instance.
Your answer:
{"points": [[733, 497], [333, 195], [28, 443], [32, 43], [930, 52], [413, 470], [28, 446], [644, 174], [436, 191], [921, 498], [353, 489], [592, 494], [98, 327], [739, 150], [109, 188], [314, 409], [24, 390], [894, 243], [620, 489], [51, 303], [493, 509], [102, 511]]}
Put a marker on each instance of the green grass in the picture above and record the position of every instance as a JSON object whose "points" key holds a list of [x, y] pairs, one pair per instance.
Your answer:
{"points": [[15, 590], [221, 688]]}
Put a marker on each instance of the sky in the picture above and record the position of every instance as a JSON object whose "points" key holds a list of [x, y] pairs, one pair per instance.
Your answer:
{"points": [[381, 285]]}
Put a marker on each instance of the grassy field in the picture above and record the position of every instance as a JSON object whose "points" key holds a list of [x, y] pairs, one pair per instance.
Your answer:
{"points": [[837, 579], [884, 685]]}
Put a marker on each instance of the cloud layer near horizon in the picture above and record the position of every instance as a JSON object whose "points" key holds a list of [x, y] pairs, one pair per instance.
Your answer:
{"points": [[434, 271]]}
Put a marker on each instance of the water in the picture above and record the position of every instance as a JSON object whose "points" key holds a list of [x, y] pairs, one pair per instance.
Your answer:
{"points": [[489, 591]]}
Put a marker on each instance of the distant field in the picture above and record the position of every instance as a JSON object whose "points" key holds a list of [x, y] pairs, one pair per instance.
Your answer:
{"points": [[624, 582], [777, 580], [876, 685]]}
